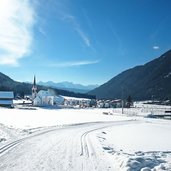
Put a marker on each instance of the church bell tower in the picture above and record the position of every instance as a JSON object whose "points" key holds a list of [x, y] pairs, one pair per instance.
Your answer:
{"points": [[34, 89]]}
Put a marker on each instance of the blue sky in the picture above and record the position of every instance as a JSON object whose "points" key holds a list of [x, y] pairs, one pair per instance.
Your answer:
{"points": [[83, 41]]}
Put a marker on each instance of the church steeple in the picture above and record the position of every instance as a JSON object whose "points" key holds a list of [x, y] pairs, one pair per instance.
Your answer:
{"points": [[34, 88], [34, 82]]}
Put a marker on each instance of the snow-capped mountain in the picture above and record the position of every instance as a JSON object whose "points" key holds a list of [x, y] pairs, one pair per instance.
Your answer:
{"points": [[22, 88], [79, 88]]}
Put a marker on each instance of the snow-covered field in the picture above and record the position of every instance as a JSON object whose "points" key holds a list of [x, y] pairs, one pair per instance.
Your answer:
{"points": [[144, 144], [40, 117], [82, 139]]}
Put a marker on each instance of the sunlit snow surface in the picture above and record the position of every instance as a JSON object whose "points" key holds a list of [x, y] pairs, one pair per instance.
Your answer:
{"points": [[145, 145], [133, 143], [38, 117]]}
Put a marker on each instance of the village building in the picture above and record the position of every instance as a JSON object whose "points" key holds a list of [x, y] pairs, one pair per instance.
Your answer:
{"points": [[45, 97], [117, 103], [109, 103], [77, 102], [6, 98]]}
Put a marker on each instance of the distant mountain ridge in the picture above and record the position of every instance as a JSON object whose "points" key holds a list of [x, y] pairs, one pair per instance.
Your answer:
{"points": [[21, 89], [149, 81], [78, 88]]}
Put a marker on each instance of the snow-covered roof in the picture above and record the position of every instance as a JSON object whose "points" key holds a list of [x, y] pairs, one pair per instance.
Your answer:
{"points": [[74, 98], [6, 95]]}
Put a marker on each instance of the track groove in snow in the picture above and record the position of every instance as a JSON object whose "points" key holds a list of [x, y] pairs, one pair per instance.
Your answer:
{"points": [[17, 142], [129, 143], [59, 149]]}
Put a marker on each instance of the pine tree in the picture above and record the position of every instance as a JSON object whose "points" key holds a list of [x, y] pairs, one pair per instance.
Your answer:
{"points": [[129, 101]]}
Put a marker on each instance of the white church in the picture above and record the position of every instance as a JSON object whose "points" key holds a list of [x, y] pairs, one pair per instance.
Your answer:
{"points": [[45, 98]]}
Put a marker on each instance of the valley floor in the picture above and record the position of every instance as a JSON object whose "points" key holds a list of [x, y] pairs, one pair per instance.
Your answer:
{"points": [[82, 139]]}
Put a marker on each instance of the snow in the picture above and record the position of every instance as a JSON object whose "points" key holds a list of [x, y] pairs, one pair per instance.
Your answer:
{"points": [[83, 139], [21, 101], [75, 98], [142, 145], [168, 75], [140, 136], [8, 133], [38, 117]]}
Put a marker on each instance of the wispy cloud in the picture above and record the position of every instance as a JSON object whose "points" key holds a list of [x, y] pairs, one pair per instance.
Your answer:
{"points": [[42, 31], [74, 63], [115, 36], [84, 37], [63, 13], [71, 19], [156, 47], [16, 23]]}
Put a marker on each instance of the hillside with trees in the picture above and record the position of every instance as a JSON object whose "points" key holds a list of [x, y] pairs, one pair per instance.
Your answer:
{"points": [[149, 81]]}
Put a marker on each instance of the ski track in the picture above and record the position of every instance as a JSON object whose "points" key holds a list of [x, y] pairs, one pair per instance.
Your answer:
{"points": [[72, 148]]}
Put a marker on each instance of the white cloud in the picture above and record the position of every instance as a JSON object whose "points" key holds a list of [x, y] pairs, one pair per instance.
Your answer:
{"points": [[156, 47], [16, 23], [66, 16], [83, 36], [71, 19], [41, 30], [75, 63], [63, 12]]}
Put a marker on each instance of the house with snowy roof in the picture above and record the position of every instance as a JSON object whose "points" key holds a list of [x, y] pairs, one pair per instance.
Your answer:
{"points": [[45, 97], [6, 98]]}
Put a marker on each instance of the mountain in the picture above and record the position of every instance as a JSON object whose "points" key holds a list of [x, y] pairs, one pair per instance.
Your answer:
{"points": [[8, 84], [149, 81], [77, 88]]}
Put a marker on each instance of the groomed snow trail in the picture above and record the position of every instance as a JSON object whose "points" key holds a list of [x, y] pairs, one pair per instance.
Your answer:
{"points": [[72, 148]]}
